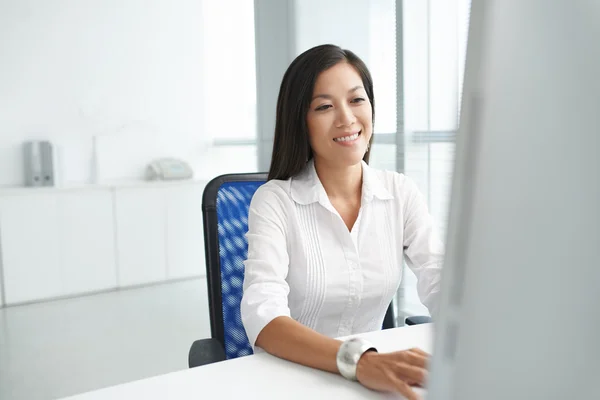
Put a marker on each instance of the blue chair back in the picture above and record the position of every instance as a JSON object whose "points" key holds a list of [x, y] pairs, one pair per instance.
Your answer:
{"points": [[225, 204]]}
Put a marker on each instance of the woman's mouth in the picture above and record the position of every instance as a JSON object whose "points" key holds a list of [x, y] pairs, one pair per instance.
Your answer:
{"points": [[348, 138]]}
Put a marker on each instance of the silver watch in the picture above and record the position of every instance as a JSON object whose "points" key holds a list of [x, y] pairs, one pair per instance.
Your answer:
{"points": [[348, 355]]}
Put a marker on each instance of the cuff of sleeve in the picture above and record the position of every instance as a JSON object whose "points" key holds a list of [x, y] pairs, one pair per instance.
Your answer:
{"points": [[254, 322]]}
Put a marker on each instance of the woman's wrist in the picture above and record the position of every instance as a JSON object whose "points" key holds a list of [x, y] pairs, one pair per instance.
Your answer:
{"points": [[349, 355], [365, 362]]}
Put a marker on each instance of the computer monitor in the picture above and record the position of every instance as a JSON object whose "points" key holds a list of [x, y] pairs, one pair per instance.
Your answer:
{"points": [[520, 317]]}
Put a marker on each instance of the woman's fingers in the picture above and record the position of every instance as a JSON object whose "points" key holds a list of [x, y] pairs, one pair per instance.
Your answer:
{"points": [[416, 359], [419, 351], [394, 371], [405, 390], [411, 366], [411, 374]]}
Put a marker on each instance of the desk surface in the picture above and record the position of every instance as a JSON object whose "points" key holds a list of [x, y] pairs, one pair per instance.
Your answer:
{"points": [[263, 376]]}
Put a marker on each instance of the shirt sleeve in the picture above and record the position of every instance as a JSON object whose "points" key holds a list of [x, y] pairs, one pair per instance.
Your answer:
{"points": [[266, 290], [423, 249]]}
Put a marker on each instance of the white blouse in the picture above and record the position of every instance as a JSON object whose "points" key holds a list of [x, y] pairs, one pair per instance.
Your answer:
{"points": [[304, 263]]}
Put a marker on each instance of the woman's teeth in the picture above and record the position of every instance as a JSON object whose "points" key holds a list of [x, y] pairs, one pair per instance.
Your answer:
{"points": [[347, 138]]}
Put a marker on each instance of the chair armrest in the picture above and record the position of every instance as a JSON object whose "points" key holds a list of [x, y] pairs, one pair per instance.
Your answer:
{"points": [[205, 351], [417, 319]]}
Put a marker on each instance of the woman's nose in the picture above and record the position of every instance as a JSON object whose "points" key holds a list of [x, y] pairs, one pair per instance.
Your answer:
{"points": [[345, 117]]}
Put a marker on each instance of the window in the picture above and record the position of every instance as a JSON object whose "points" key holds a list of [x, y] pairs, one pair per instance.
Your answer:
{"points": [[230, 86], [434, 42], [382, 64], [435, 36]]}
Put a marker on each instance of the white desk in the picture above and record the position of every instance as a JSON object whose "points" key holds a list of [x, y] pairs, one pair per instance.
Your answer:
{"points": [[263, 376]]}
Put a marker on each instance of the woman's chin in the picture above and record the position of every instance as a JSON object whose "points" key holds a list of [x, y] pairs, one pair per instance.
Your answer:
{"points": [[345, 158], [349, 160]]}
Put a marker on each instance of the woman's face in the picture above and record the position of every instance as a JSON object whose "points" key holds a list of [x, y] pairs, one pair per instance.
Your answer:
{"points": [[340, 117]]}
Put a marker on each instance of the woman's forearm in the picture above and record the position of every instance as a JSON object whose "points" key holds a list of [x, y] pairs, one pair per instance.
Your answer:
{"points": [[288, 339]]}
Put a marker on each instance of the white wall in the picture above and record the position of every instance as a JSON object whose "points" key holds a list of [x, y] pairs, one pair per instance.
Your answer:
{"points": [[126, 71]]}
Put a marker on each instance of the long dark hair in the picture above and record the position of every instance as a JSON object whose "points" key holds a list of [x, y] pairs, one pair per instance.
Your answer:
{"points": [[291, 147]]}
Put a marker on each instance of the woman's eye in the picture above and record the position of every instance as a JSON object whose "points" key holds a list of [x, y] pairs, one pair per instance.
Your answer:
{"points": [[323, 107], [358, 100]]}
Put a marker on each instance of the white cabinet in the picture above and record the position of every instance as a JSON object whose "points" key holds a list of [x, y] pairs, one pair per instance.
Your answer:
{"points": [[56, 244], [62, 242], [141, 235], [87, 241], [185, 237], [30, 247], [159, 233]]}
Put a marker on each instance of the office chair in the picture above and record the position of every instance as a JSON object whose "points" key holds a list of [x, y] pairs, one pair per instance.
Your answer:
{"points": [[225, 204]]}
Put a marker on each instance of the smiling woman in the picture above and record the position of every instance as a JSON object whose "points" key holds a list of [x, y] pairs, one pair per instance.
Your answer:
{"points": [[327, 234], [340, 119], [325, 93]]}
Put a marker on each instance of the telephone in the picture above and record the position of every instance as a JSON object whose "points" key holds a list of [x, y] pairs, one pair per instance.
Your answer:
{"points": [[168, 169]]}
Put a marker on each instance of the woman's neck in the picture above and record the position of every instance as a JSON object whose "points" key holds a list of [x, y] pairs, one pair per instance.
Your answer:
{"points": [[340, 182]]}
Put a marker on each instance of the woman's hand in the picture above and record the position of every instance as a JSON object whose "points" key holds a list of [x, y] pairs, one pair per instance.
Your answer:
{"points": [[393, 372]]}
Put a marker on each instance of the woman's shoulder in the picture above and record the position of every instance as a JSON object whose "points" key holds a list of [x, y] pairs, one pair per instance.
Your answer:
{"points": [[278, 187], [274, 191]]}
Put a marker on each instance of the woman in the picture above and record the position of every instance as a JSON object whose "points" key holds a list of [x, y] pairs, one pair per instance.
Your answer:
{"points": [[327, 233]]}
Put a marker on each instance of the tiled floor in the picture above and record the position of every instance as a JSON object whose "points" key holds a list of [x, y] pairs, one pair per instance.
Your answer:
{"points": [[64, 347]]}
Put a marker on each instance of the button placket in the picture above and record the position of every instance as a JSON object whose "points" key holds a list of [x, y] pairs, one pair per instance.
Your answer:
{"points": [[348, 240]]}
